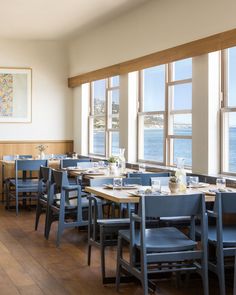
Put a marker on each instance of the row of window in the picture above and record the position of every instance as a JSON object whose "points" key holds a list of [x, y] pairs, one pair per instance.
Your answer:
{"points": [[164, 114]]}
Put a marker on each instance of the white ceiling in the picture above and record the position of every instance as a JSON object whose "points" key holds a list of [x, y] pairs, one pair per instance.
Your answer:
{"points": [[57, 19]]}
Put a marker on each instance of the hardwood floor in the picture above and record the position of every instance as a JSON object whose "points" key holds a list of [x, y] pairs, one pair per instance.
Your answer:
{"points": [[30, 265]]}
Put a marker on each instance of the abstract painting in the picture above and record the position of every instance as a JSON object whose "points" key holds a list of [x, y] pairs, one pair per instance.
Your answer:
{"points": [[15, 95]]}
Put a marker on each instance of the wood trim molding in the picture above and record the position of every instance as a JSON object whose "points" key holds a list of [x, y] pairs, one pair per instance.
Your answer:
{"points": [[35, 141], [198, 47]]}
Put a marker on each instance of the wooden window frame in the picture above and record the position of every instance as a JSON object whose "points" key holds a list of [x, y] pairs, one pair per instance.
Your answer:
{"points": [[225, 109], [108, 120], [168, 115]]}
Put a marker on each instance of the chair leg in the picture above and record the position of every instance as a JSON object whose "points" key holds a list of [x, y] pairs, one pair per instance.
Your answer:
{"points": [[234, 293], [60, 226], [38, 213], [59, 233], [102, 251], [48, 224], [144, 274], [205, 276], [118, 266], [220, 269], [17, 203], [89, 253], [221, 278]]}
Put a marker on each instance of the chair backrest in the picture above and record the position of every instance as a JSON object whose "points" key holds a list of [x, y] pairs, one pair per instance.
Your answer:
{"points": [[45, 176], [71, 162], [45, 173], [163, 180], [101, 181], [60, 178], [172, 206], [225, 203], [146, 177], [30, 165], [132, 180]]}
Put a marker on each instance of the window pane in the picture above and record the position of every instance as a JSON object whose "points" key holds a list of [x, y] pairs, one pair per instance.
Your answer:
{"points": [[183, 149], [154, 89], [153, 138], [115, 123], [182, 69], [99, 97], [182, 124], [115, 101], [115, 144], [182, 96], [232, 77], [99, 135], [230, 141], [115, 81]]}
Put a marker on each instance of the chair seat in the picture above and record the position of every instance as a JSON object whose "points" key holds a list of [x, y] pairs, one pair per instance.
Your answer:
{"points": [[162, 239], [25, 183], [229, 235], [114, 221]]}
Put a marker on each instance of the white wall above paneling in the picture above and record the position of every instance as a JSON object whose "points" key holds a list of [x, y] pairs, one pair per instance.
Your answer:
{"points": [[51, 98], [152, 27]]}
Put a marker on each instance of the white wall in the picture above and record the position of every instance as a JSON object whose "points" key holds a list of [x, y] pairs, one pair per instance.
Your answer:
{"points": [[51, 98], [154, 26]]}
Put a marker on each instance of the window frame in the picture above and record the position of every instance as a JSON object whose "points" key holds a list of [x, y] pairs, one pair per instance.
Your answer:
{"points": [[224, 110], [140, 116], [168, 115], [108, 116]]}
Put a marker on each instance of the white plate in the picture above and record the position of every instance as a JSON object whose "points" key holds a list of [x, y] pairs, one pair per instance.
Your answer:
{"points": [[110, 186]]}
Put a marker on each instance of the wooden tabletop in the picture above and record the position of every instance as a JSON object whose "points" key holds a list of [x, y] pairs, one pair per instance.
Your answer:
{"points": [[98, 173], [126, 195]]}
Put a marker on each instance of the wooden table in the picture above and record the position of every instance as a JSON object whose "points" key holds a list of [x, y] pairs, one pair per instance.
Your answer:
{"points": [[102, 173], [125, 196]]}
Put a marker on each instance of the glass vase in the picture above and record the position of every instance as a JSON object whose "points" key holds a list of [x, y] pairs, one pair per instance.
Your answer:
{"points": [[122, 161], [181, 174]]}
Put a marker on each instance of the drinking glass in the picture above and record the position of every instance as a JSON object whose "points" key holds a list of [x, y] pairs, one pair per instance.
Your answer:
{"points": [[156, 185], [117, 182], [101, 164], [95, 164], [220, 183], [193, 181], [142, 167]]}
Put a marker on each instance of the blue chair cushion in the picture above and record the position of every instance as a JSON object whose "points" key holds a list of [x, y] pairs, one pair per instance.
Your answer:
{"points": [[25, 183], [229, 235], [114, 222], [162, 239]]}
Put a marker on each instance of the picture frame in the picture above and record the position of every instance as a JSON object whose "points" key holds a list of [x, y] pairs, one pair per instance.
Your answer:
{"points": [[15, 95]]}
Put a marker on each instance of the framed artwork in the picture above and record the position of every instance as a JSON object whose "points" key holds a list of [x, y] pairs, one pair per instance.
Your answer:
{"points": [[15, 95]]}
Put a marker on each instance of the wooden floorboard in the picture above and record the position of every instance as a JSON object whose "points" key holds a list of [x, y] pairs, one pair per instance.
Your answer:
{"points": [[30, 265]]}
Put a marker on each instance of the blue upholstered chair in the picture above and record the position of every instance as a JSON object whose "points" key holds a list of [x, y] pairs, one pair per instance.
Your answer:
{"points": [[65, 163], [67, 205], [24, 186], [222, 236], [157, 246]]}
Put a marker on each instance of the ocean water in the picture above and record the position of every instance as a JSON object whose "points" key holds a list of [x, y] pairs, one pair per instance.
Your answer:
{"points": [[153, 146]]}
